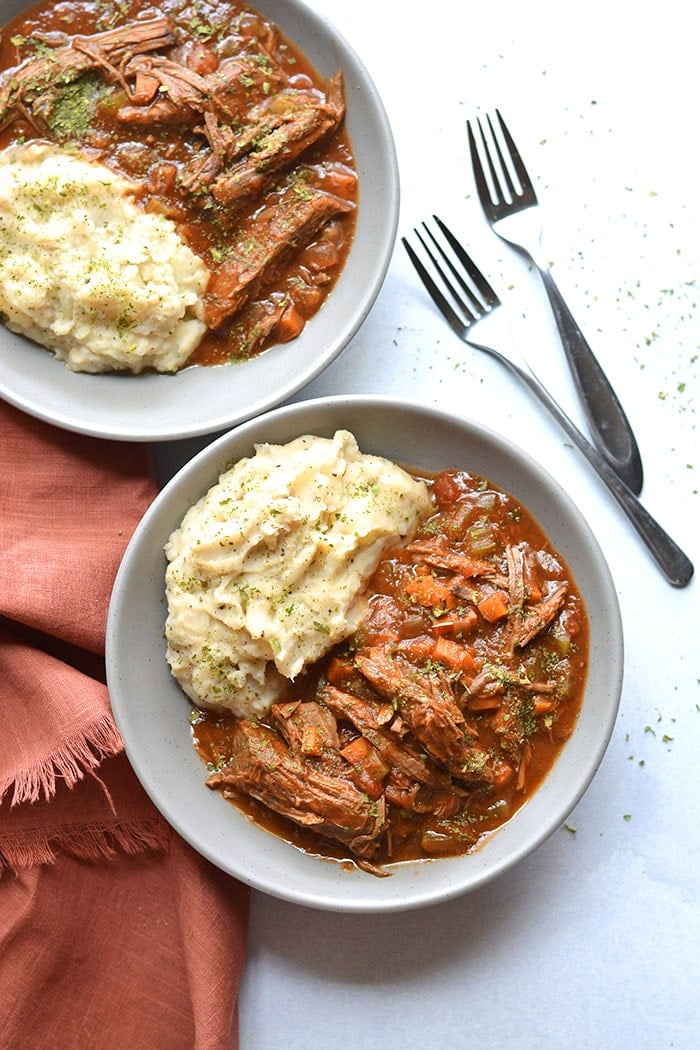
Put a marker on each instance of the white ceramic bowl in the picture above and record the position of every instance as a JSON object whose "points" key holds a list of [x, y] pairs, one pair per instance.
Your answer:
{"points": [[152, 713], [209, 400]]}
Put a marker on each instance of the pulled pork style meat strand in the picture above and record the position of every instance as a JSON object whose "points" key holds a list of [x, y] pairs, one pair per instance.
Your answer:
{"points": [[427, 706], [255, 322], [516, 578], [258, 141], [526, 621], [308, 727], [440, 556], [164, 92], [493, 680], [180, 90], [396, 753], [32, 89], [534, 618], [280, 228], [261, 765], [284, 128]]}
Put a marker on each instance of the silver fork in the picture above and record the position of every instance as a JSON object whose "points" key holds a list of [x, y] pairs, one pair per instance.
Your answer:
{"points": [[503, 199], [465, 298]]}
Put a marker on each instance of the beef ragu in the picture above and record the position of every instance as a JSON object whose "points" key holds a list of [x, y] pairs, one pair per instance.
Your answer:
{"points": [[439, 718], [224, 126]]}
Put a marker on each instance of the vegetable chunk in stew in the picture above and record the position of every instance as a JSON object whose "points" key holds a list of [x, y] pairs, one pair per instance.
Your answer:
{"points": [[224, 127], [425, 731]]}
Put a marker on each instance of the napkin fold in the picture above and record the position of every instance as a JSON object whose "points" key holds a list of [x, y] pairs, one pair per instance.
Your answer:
{"points": [[113, 932]]}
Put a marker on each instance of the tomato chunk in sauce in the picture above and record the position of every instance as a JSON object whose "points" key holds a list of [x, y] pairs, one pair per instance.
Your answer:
{"points": [[223, 125], [430, 727]]}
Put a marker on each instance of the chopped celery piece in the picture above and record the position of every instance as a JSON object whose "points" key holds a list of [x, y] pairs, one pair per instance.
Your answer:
{"points": [[481, 537]]}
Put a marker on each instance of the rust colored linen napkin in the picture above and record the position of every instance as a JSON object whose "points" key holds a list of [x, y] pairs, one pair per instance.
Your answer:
{"points": [[113, 932]]}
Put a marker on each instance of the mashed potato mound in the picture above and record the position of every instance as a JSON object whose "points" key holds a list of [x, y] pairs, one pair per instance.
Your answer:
{"points": [[267, 570], [87, 273]]}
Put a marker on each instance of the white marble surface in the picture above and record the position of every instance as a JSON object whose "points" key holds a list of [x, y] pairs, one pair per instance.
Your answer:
{"points": [[592, 941]]}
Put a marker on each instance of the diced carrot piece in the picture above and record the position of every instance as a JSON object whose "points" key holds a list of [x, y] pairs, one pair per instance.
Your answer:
{"points": [[420, 589], [289, 325], [374, 765], [420, 648], [367, 784], [540, 706], [368, 766], [339, 671], [356, 750], [144, 90], [201, 59], [453, 654], [430, 592], [311, 741], [494, 607]]}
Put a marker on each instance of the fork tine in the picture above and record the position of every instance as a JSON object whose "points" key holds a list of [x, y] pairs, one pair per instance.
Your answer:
{"points": [[473, 309], [432, 289], [476, 305], [480, 282], [502, 197], [519, 167], [505, 173], [479, 177], [498, 178]]}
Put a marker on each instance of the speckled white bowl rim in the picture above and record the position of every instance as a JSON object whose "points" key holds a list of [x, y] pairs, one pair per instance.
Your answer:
{"points": [[152, 713], [210, 400]]}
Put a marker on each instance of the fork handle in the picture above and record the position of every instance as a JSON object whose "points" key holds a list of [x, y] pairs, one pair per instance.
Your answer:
{"points": [[610, 427], [674, 564]]}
